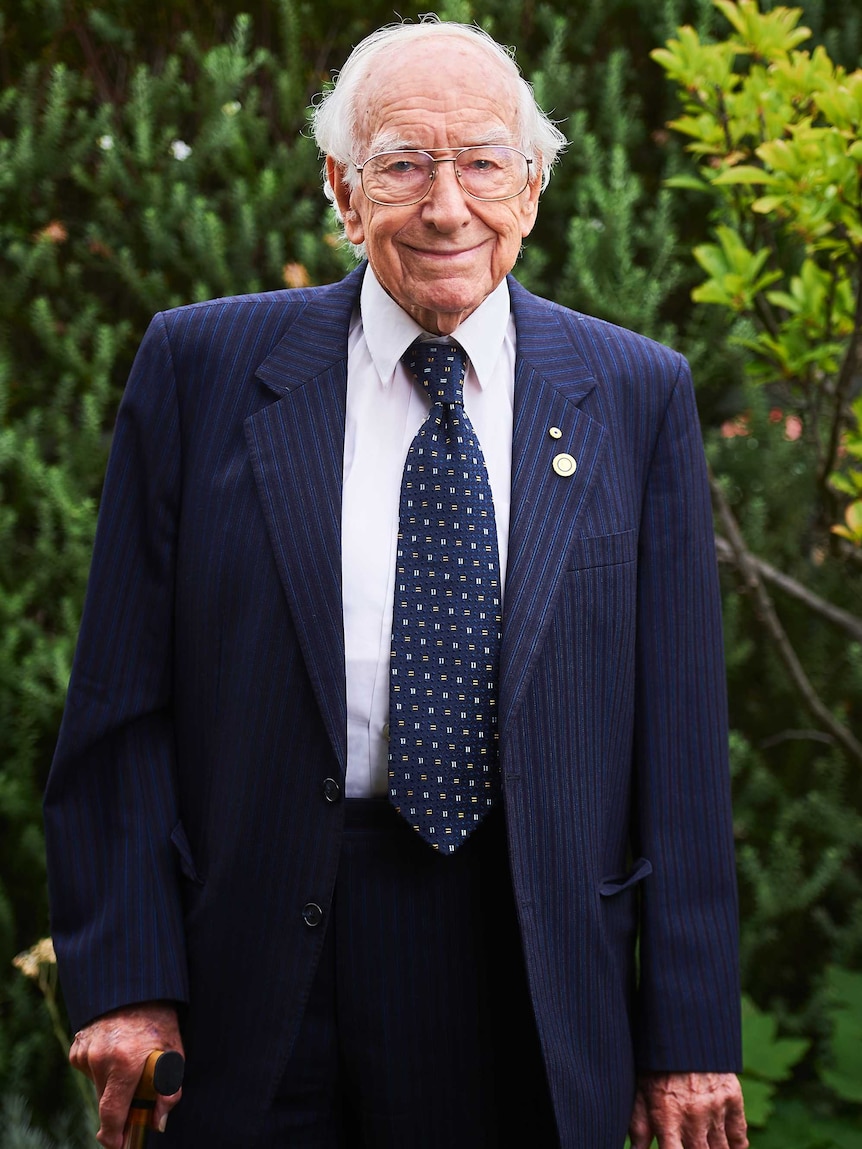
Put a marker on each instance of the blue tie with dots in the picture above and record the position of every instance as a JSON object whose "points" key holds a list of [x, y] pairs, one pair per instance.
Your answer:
{"points": [[446, 623]]}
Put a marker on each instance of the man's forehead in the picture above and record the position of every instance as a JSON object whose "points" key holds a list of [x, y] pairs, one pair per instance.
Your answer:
{"points": [[408, 85], [391, 140]]}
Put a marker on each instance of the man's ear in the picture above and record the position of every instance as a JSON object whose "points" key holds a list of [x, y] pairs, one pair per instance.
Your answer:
{"points": [[344, 196], [529, 204]]}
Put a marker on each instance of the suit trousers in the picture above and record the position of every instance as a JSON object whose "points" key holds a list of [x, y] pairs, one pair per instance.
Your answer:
{"points": [[419, 1031]]}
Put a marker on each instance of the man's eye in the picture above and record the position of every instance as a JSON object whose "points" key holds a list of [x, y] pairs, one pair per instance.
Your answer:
{"points": [[481, 165], [400, 168]]}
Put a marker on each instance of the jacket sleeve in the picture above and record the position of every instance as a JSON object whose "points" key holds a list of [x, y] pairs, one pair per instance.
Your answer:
{"points": [[689, 981], [110, 803]]}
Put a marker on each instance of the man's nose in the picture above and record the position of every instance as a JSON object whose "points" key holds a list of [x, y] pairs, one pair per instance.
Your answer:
{"points": [[447, 205]]}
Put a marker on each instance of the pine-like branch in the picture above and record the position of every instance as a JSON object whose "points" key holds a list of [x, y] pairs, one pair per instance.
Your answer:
{"points": [[842, 618], [748, 568], [795, 736]]}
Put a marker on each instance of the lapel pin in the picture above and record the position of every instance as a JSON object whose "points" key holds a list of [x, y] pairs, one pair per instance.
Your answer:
{"points": [[555, 432], [564, 465]]}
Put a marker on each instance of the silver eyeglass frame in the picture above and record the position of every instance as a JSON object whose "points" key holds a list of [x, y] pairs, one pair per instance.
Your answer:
{"points": [[436, 162]]}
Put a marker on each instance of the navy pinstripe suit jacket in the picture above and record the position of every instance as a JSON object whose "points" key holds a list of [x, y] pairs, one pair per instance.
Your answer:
{"points": [[186, 822]]}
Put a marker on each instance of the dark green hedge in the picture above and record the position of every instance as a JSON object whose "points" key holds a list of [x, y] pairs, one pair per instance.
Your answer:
{"points": [[154, 154]]}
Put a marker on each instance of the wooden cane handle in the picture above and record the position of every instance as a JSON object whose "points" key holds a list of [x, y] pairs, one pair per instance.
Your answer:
{"points": [[162, 1076]]}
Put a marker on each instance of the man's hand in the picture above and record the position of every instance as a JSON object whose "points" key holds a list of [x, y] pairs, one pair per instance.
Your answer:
{"points": [[688, 1111], [112, 1050]]}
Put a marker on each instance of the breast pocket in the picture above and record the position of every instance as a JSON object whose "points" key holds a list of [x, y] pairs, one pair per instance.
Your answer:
{"points": [[603, 550]]}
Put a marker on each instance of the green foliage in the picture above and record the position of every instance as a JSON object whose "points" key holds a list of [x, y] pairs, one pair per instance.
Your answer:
{"points": [[153, 155], [848, 478], [194, 181], [842, 1071], [18, 1132], [776, 131], [770, 1059], [798, 1125], [798, 840], [767, 1059], [621, 254]]}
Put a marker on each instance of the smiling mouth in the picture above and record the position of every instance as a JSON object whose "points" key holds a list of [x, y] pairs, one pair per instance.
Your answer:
{"points": [[444, 253]]}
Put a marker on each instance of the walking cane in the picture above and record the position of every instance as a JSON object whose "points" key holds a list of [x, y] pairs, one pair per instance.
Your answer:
{"points": [[162, 1076]]}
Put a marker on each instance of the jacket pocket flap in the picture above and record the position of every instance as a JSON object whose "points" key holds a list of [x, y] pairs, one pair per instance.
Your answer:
{"points": [[603, 550], [641, 869], [184, 851]]}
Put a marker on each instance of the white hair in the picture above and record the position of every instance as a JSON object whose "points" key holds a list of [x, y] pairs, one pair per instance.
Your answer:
{"points": [[335, 114]]}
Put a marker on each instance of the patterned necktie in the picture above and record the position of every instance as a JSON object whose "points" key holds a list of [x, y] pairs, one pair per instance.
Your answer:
{"points": [[446, 625]]}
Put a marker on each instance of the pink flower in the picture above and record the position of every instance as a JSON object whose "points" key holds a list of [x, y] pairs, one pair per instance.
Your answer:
{"points": [[792, 428], [735, 427]]}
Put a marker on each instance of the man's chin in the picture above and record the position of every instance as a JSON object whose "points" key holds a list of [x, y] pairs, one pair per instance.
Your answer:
{"points": [[442, 304], [440, 318], [446, 323]]}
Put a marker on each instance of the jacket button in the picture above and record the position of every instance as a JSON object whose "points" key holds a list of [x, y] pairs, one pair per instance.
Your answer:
{"points": [[331, 790], [312, 914]]}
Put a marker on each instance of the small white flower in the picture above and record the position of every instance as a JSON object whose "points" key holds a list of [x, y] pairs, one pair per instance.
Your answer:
{"points": [[231, 107], [30, 961], [106, 143], [180, 150]]}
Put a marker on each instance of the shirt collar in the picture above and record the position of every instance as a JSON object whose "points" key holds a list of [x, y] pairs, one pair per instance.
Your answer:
{"points": [[389, 330]]}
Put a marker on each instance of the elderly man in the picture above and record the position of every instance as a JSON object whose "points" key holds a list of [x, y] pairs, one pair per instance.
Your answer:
{"points": [[397, 718]]}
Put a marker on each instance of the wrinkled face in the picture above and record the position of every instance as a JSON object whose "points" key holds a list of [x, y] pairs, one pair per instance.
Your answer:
{"points": [[441, 257]]}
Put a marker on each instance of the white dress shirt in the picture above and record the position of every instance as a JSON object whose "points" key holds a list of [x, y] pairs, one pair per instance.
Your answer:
{"points": [[385, 409]]}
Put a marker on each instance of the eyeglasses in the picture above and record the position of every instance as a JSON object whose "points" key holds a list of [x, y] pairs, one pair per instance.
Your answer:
{"points": [[487, 172]]}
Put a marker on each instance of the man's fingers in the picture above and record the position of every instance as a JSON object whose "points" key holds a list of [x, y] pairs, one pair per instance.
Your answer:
{"points": [[163, 1107], [116, 1100], [718, 1138], [736, 1126], [114, 1108], [640, 1130], [112, 1051], [98, 1063], [693, 1110], [672, 1139], [116, 1073], [78, 1054]]}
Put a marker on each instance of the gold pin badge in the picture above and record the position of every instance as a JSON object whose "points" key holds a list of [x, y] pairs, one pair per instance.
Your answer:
{"points": [[555, 432], [564, 465]]}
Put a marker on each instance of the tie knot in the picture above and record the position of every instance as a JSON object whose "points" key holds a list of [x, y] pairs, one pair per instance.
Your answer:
{"points": [[439, 367]]}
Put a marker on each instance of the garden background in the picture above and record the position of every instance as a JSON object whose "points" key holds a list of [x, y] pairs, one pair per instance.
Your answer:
{"points": [[155, 154]]}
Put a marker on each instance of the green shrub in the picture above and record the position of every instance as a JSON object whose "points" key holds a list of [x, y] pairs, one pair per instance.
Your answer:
{"points": [[153, 155], [194, 182], [775, 132]]}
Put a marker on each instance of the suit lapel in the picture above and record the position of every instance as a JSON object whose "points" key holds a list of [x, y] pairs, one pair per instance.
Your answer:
{"points": [[296, 446], [551, 379]]}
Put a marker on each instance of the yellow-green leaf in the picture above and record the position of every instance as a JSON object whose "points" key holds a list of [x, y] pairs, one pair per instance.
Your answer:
{"points": [[768, 203], [689, 183], [744, 174]]}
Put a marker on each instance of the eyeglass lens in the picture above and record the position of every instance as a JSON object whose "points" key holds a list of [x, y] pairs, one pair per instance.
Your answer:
{"points": [[485, 173]]}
